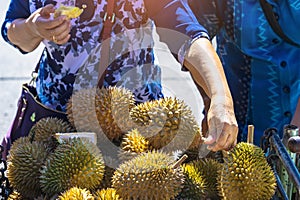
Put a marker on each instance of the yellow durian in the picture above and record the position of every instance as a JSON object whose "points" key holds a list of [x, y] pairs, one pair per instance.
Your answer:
{"points": [[246, 174]]}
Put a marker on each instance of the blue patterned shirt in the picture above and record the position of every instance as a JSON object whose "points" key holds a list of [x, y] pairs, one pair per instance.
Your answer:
{"points": [[66, 68], [263, 71]]}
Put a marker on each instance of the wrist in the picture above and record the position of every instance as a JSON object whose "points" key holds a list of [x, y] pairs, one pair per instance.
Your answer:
{"points": [[225, 100], [31, 28]]}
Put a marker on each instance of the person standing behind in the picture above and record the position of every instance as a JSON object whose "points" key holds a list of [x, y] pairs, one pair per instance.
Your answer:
{"points": [[71, 56], [262, 68]]}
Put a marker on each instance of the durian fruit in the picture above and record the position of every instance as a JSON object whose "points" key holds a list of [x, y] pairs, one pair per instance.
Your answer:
{"points": [[246, 174], [15, 196], [200, 180], [209, 169], [150, 175], [23, 166], [69, 11], [76, 193], [111, 164], [45, 129], [24, 162], [107, 194], [76, 162], [194, 183], [177, 125], [133, 143], [140, 116], [104, 110], [82, 110]]}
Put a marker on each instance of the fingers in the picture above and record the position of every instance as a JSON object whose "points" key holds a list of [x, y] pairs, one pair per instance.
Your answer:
{"points": [[223, 137], [56, 30], [47, 10], [60, 34]]}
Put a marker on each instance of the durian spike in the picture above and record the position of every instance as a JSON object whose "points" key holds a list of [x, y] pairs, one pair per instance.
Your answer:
{"points": [[250, 134], [180, 161]]}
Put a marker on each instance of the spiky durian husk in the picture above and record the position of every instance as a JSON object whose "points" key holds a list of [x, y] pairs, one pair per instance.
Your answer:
{"points": [[111, 164], [179, 125], [42, 197], [194, 184], [168, 123], [81, 110], [133, 143], [140, 116], [76, 162], [107, 194], [24, 162], [104, 110], [15, 196], [76, 193], [150, 175], [210, 168], [246, 174], [45, 129]]}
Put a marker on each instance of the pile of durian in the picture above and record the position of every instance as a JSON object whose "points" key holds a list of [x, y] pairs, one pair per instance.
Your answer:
{"points": [[136, 156]]}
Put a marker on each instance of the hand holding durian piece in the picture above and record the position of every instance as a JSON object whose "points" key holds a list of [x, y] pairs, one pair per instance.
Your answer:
{"points": [[69, 11]]}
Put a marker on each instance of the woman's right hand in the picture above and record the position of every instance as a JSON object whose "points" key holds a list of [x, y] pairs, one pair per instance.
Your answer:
{"points": [[43, 26]]}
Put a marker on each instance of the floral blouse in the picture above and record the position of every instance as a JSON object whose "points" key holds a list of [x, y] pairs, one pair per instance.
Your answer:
{"points": [[66, 68]]}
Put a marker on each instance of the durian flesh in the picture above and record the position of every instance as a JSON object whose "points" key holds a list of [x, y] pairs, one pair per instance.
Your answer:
{"points": [[69, 11]]}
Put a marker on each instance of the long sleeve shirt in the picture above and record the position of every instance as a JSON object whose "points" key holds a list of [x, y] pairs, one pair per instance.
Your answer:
{"points": [[262, 69]]}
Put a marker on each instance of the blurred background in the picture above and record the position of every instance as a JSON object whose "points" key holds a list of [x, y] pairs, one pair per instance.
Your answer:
{"points": [[16, 68]]}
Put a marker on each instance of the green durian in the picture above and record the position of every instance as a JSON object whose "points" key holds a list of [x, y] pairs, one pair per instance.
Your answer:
{"points": [[246, 174], [150, 175], [76, 162], [45, 129], [76, 193], [200, 180], [194, 185], [104, 110], [107, 194], [209, 170], [133, 143], [109, 170], [23, 166]]}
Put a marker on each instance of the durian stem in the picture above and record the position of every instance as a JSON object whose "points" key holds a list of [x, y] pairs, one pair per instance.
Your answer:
{"points": [[250, 134], [180, 161]]}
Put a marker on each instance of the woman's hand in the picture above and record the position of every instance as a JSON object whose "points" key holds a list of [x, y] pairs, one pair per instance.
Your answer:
{"points": [[43, 26], [222, 125], [28, 33], [207, 72]]}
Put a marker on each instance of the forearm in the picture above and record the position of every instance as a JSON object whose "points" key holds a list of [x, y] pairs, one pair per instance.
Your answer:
{"points": [[206, 69], [20, 34]]}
